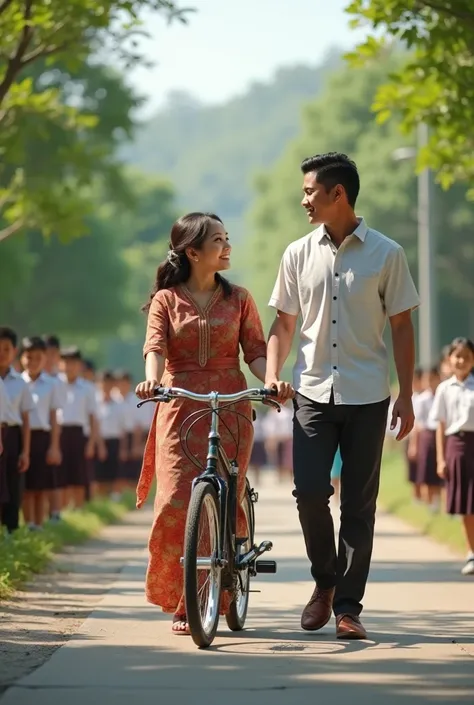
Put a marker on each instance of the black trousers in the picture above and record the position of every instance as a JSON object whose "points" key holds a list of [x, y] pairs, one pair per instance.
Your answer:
{"points": [[359, 431], [15, 479]]}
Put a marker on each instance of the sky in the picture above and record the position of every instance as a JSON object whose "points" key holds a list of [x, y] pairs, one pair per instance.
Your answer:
{"points": [[228, 44]]}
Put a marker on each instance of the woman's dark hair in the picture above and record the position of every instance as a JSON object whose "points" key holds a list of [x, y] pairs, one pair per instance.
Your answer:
{"points": [[189, 231], [461, 342]]}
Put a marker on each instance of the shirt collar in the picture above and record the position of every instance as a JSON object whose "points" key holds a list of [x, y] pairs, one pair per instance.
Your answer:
{"points": [[360, 232], [42, 377], [12, 373], [468, 382]]}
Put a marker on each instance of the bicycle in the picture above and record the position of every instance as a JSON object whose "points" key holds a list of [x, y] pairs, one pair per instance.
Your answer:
{"points": [[218, 560]]}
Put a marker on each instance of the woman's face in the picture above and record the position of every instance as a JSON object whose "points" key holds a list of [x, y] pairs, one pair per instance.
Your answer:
{"points": [[462, 360], [214, 254]]}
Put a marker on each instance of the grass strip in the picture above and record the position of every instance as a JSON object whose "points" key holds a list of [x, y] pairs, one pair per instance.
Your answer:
{"points": [[26, 552], [396, 498]]}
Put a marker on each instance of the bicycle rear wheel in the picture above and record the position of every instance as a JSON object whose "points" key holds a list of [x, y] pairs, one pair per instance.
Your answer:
{"points": [[202, 575], [238, 608]]}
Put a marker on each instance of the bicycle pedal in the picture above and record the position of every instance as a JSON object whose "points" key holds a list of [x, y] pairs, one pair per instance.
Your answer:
{"points": [[267, 567]]}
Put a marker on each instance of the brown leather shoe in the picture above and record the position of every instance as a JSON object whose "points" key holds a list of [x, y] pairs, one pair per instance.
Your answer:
{"points": [[349, 626], [317, 612]]}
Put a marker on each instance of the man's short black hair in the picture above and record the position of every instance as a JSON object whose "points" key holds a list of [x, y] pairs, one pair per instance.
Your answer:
{"points": [[7, 333], [71, 353], [51, 341], [33, 342], [332, 169], [89, 365]]}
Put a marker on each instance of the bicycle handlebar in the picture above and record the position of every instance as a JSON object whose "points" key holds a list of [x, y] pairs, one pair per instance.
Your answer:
{"points": [[165, 394]]}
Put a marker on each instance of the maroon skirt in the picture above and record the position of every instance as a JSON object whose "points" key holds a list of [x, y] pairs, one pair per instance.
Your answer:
{"points": [[73, 471], [130, 469], [258, 457], [4, 494], [40, 476], [426, 461], [460, 473], [108, 470]]}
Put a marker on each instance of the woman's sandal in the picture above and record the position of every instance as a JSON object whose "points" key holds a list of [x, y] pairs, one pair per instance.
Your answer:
{"points": [[180, 626]]}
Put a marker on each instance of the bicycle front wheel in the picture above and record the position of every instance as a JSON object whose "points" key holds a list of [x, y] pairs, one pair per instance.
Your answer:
{"points": [[202, 575]]}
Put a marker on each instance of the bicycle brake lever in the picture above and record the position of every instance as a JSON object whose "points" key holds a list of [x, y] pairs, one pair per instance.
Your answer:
{"points": [[153, 399], [273, 404]]}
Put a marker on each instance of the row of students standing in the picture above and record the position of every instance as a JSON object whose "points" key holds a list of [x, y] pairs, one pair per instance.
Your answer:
{"points": [[441, 446], [66, 437]]}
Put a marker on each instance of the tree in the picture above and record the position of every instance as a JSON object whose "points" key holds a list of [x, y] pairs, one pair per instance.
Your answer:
{"points": [[341, 119], [434, 84], [43, 43]]}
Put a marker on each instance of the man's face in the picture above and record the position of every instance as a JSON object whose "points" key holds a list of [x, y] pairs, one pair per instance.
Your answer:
{"points": [[7, 352], [320, 206], [71, 368], [33, 361]]}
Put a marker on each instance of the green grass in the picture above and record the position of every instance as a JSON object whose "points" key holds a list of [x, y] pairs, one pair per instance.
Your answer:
{"points": [[396, 498], [25, 552]]}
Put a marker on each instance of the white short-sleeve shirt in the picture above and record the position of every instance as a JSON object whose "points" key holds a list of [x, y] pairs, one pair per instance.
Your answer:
{"points": [[79, 403], [343, 296], [4, 402], [422, 404], [453, 405], [19, 396], [132, 419], [46, 394], [111, 414]]}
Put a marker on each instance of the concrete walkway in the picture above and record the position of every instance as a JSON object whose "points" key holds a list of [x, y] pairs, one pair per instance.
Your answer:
{"points": [[419, 613]]}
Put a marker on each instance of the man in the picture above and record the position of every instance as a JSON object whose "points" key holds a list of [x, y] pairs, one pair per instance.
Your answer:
{"points": [[344, 279]]}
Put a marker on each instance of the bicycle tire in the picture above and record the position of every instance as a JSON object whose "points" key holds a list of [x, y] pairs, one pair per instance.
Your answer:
{"points": [[203, 499], [238, 608]]}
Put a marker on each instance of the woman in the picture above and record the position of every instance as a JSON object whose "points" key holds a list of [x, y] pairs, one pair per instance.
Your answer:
{"points": [[197, 321]]}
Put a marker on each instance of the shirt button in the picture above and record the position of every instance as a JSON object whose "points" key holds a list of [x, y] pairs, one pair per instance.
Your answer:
{"points": [[334, 345], [336, 274], [334, 321], [334, 298], [334, 368]]}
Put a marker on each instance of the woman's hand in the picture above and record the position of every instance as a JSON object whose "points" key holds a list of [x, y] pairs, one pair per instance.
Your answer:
{"points": [[146, 389]]}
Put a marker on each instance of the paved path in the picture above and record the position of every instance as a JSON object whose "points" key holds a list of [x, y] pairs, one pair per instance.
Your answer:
{"points": [[420, 615]]}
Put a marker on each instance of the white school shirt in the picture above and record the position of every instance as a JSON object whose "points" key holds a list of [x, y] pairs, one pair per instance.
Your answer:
{"points": [[422, 407], [46, 395], [343, 297], [111, 415], [19, 396], [145, 416], [4, 402], [454, 405], [258, 434], [130, 411], [278, 426], [79, 404]]}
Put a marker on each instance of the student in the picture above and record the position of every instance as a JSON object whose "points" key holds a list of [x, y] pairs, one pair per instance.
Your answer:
{"points": [[412, 468], [45, 455], [453, 411], [111, 415], [258, 459], [17, 437], [89, 375], [78, 413], [4, 402], [131, 466], [53, 354], [422, 443]]}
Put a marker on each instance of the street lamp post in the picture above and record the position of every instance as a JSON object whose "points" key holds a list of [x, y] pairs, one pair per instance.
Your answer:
{"points": [[428, 314]]}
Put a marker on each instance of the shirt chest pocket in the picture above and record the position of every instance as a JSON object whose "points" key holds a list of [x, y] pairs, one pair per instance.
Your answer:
{"points": [[361, 288]]}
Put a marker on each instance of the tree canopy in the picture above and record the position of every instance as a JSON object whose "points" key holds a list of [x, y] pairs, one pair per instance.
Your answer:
{"points": [[434, 84]]}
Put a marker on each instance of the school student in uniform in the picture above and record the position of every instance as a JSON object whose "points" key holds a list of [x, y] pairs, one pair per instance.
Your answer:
{"points": [[422, 442], [453, 411], [258, 458], [89, 375], [113, 430], [45, 453], [412, 467], [4, 402], [79, 412], [52, 368], [17, 437], [131, 466]]}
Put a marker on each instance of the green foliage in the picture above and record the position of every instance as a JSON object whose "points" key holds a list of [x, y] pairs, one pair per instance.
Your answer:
{"points": [[396, 498], [341, 119], [50, 85], [211, 152], [434, 85], [26, 552]]}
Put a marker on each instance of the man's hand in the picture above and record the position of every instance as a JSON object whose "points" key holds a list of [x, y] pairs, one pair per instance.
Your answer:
{"points": [[284, 390], [403, 410]]}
